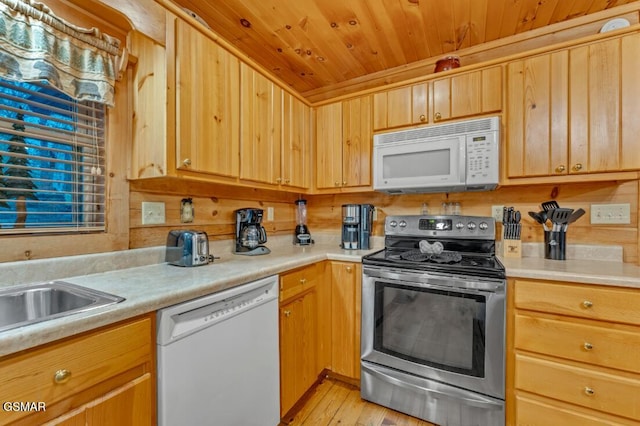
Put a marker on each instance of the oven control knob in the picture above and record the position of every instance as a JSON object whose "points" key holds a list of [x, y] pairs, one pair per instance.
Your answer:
{"points": [[393, 224], [471, 226], [483, 226], [403, 224], [459, 225]]}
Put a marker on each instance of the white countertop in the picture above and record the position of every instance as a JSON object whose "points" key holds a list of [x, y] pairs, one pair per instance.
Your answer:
{"points": [[153, 286]]}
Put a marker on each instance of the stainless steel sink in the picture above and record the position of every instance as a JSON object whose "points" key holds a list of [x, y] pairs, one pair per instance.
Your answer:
{"points": [[31, 303]]}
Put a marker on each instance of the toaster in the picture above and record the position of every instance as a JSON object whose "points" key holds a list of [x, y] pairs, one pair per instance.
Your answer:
{"points": [[187, 248]]}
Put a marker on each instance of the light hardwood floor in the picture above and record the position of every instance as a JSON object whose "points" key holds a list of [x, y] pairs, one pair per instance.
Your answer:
{"points": [[337, 403]]}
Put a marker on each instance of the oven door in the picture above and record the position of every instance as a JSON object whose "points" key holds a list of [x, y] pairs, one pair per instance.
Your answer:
{"points": [[449, 329]]}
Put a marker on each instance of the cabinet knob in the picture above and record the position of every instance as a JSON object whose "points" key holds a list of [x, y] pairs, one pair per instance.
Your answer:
{"points": [[589, 391], [287, 313], [577, 167], [587, 304], [61, 376], [303, 281], [561, 168], [287, 181], [588, 346], [186, 162], [423, 117], [349, 268], [344, 183], [279, 180], [437, 116], [337, 183]]}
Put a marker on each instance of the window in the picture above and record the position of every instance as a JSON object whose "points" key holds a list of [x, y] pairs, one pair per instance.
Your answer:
{"points": [[52, 153]]}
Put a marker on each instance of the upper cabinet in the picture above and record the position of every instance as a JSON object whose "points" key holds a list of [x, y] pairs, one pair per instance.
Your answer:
{"points": [[207, 104], [343, 144], [296, 143], [261, 127], [403, 106], [572, 112], [466, 94]]}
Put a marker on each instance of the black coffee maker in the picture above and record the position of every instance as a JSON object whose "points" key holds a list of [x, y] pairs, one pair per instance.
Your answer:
{"points": [[250, 234]]}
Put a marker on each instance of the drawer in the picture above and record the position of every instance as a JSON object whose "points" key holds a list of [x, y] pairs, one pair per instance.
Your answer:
{"points": [[90, 359], [298, 281], [600, 344], [585, 301], [610, 393], [533, 412]]}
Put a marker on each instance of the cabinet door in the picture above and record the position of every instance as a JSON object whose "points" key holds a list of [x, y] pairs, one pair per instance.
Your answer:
{"points": [[400, 107], [345, 318], [329, 146], [467, 94], [261, 127], [357, 142], [295, 142], [537, 114], [207, 104], [298, 347], [604, 97], [127, 405]]}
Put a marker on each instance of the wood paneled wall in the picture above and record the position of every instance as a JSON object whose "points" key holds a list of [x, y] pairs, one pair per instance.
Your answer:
{"points": [[215, 205]]}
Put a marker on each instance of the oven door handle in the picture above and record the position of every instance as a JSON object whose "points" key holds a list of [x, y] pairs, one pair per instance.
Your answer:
{"points": [[424, 279], [451, 392]]}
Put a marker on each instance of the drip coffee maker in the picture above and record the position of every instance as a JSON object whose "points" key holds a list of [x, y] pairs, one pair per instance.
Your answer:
{"points": [[302, 236], [357, 224], [250, 234]]}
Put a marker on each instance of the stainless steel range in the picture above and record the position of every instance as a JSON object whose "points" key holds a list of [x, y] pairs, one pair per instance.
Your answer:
{"points": [[433, 321]]}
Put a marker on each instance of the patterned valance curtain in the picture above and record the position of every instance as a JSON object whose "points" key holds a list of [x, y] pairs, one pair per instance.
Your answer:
{"points": [[36, 45]]}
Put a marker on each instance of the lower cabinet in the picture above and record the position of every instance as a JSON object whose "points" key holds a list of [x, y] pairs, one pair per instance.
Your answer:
{"points": [[104, 377], [319, 326], [575, 354]]}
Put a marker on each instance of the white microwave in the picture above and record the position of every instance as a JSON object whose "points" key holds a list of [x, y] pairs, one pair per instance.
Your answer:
{"points": [[452, 157]]}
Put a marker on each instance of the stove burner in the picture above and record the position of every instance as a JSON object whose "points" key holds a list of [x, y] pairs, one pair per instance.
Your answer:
{"points": [[418, 256]]}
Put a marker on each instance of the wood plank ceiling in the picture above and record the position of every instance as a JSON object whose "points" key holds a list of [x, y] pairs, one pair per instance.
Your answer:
{"points": [[314, 44]]}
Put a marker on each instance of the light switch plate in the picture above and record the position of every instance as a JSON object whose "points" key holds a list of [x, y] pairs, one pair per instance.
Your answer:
{"points": [[618, 214], [270, 214], [152, 213]]}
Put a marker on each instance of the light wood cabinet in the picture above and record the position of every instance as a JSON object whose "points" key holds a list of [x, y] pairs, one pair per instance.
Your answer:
{"points": [[207, 104], [569, 112], [98, 378], [299, 365], [261, 127], [574, 355], [346, 296], [403, 106], [344, 140], [466, 94], [296, 143]]}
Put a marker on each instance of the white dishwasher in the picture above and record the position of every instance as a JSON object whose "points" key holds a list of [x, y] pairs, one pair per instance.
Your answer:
{"points": [[218, 358]]}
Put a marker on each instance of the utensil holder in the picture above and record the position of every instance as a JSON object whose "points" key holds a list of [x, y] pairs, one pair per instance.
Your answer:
{"points": [[555, 243]]}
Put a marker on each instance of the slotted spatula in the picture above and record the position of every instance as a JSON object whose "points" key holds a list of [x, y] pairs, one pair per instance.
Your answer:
{"points": [[559, 217], [549, 205]]}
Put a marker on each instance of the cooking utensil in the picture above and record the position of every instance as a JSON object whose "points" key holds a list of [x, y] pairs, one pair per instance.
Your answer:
{"points": [[559, 217], [549, 205], [577, 214], [538, 217]]}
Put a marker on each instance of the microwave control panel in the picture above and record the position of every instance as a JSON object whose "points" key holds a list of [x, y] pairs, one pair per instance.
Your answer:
{"points": [[482, 158]]}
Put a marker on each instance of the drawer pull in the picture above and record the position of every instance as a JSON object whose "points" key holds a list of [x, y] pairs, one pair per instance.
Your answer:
{"points": [[303, 281], [587, 304], [588, 346], [287, 313], [62, 376], [588, 391]]}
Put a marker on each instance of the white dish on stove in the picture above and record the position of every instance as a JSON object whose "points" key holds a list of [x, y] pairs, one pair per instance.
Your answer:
{"points": [[615, 24]]}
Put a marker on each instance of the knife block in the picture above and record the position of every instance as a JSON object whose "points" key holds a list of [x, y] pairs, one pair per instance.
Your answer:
{"points": [[511, 248]]}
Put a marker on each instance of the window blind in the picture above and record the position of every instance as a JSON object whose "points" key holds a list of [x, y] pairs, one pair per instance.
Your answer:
{"points": [[52, 160]]}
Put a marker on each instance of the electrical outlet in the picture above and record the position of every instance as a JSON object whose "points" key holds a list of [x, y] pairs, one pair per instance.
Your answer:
{"points": [[497, 213], [270, 214], [619, 214], [152, 213]]}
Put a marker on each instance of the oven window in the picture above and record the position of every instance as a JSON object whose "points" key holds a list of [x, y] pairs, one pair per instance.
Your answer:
{"points": [[442, 329]]}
